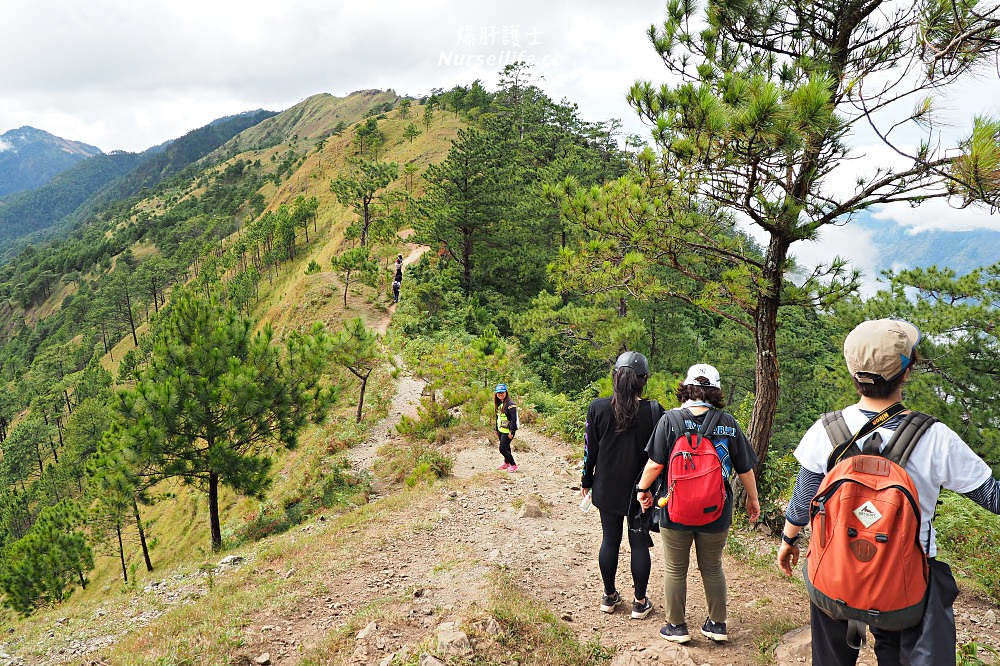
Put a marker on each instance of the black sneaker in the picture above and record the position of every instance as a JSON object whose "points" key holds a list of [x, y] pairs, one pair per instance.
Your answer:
{"points": [[714, 630], [677, 633], [641, 609], [610, 601]]}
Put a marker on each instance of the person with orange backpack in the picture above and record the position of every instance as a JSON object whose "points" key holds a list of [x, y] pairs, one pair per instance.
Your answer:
{"points": [[868, 486], [696, 447]]}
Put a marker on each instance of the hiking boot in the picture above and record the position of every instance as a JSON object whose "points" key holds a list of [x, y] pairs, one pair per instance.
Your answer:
{"points": [[676, 633], [504, 466], [610, 601], [714, 630], [641, 609], [512, 468]]}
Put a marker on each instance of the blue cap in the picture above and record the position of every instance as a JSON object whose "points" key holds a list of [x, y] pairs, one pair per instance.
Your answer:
{"points": [[501, 388]]}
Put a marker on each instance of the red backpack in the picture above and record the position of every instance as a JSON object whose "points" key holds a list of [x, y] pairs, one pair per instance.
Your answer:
{"points": [[865, 562], [695, 489]]}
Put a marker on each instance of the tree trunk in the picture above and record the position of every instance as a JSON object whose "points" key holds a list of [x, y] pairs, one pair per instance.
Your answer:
{"points": [[361, 400], [121, 551], [213, 510], [142, 535], [766, 372]]}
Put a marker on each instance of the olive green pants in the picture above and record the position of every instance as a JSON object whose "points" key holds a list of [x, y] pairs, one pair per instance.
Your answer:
{"points": [[676, 557]]}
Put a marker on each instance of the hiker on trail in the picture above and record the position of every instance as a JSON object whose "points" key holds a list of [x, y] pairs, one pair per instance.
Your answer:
{"points": [[399, 263], [880, 356], [398, 277], [506, 425], [395, 291], [696, 508], [617, 431]]}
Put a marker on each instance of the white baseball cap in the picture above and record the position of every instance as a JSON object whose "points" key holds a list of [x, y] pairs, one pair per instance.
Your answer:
{"points": [[702, 374]]}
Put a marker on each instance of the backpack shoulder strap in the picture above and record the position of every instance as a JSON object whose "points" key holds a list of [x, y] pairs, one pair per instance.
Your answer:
{"points": [[840, 436], [654, 409], [712, 418], [836, 427], [675, 418], [905, 439]]}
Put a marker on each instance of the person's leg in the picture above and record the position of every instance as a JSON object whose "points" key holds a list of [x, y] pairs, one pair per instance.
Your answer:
{"points": [[676, 557], [886, 646], [607, 558], [829, 640], [708, 549], [639, 543], [932, 642], [505, 449]]}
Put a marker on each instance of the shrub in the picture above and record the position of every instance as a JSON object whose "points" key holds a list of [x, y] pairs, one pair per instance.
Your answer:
{"points": [[432, 417], [412, 463], [337, 487], [969, 539]]}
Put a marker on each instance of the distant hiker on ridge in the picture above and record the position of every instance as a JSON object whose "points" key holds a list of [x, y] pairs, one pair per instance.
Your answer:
{"points": [[617, 431]]}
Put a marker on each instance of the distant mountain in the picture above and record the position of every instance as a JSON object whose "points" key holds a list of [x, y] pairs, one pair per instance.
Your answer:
{"points": [[315, 117], [168, 159], [30, 158], [961, 251], [99, 180]]}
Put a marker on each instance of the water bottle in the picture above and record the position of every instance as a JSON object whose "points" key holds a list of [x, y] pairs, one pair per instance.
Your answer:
{"points": [[586, 503]]}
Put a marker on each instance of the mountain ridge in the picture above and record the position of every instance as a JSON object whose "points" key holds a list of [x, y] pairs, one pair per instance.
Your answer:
{"points": [[31, 157]]}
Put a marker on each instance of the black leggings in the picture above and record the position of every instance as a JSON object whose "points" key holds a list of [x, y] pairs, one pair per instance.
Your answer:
{"points": [[505, 448], [607, 559]]}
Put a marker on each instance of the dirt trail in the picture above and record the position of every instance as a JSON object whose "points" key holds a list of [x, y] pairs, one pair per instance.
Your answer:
{"points": [[454, 538], [414, 255]]}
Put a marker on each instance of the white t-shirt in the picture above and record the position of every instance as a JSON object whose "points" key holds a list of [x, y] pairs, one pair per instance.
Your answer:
{"points": [[941, 459]]}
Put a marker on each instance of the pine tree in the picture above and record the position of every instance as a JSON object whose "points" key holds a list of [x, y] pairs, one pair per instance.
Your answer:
{"points": [[217, 398], [48, 562], [358, 349], [361, 189]]}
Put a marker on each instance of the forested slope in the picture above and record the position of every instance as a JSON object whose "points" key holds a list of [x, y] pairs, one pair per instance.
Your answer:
{"points": [[183, 372]]}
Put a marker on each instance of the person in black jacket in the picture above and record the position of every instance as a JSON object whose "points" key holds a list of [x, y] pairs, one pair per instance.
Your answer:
{"points": [[505, 425], [617, 431]]}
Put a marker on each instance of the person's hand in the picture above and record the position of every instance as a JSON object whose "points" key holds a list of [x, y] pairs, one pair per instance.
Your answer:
{"points": [[645, 499], [753, 508], [584, 491], [788, 557]]}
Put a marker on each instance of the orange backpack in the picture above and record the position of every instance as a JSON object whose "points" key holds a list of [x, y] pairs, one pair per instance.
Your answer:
{"points": [[865, 562]]}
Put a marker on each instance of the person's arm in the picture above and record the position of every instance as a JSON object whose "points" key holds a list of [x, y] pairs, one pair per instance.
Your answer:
{"points": [[797, 517], [649, 474], [987, 495], [512, 419], [591, 449], [749, 482]]}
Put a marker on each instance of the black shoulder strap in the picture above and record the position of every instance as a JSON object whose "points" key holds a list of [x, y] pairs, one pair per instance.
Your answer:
{"points": [[712, 417], [654, 409], [905, 439], [676, 421]]}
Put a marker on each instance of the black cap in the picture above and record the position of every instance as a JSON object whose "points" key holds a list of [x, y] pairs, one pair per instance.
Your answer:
{"points": [[634, 360]]}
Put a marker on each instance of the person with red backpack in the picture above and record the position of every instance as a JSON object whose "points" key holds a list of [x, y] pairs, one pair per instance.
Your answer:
{"points": [[868, 486], [696, 447]]}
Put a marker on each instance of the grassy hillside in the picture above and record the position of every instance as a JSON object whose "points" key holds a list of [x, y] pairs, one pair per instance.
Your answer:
{"points": [[177, 526]]}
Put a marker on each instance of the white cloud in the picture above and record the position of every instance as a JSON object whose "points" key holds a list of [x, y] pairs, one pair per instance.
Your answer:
{"points": [[4, 146], [121, 74]]}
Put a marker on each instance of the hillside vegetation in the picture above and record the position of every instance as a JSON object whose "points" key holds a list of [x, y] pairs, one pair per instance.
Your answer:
{"points": [[198, 370]]}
